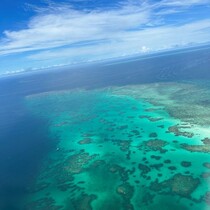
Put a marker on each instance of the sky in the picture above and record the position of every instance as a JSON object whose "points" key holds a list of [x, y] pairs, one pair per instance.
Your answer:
{"points": [[36, 34]]}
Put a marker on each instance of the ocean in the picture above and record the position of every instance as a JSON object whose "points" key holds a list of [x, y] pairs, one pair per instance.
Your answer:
{"points": [[123, 134]]}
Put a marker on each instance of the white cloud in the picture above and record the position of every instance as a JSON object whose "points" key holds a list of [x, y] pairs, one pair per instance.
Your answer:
{"points": [[184, 3], [149, 39], [70, 26], [129, 28]]}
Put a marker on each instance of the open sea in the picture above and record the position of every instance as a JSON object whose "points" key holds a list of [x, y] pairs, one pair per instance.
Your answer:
{"points": [[130, 134]]}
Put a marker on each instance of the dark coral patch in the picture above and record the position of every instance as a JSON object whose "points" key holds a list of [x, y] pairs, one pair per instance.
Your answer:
{"points": [[182, 185], [126, 191], [83, 202], [85, 141], [167, 161], [155, 157], [206, 198], [197, 148], [176, 129], [207, 165], [206, 141], [153, 135], [123, 144], [186, 164], [155, 145], [144, 168], [43, 203], [173, 168], [76, 163]]}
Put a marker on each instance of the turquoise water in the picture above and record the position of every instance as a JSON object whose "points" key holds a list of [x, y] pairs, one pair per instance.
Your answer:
{"points": [[130, 147]]}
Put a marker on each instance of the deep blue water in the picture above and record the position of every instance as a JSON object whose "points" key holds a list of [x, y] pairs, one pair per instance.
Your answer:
{"points": [[24, 139], [24, 143]]}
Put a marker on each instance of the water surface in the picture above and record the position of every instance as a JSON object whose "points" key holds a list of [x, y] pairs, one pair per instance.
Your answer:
{"points": [[128, 135]]}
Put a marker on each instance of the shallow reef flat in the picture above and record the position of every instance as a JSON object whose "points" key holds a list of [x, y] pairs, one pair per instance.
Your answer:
{"points": [[132, 147]]}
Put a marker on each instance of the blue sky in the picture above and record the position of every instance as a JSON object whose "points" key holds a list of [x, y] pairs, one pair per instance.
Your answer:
{"points": [[38, 34]]}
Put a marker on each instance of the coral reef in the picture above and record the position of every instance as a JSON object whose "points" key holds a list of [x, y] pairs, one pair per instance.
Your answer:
{"points": [[135, 132], [123, 144], [205, 148], [97, 163], [176, 130], [207, 165], [115, 168], [151, 119], [186, 164], [156, 157], [205, 175], [197, 148], [123, 127], [182, 185], [116, 126], [85, 141], [155, 145], [43, 204], [144, 169], [63, 177], [126, 191], [155, 119], [83, 202], [153, 135], [206, 141], [156, 166], [38, 187], [76, 163], [173, 168], [207, 198], [167, 161]]}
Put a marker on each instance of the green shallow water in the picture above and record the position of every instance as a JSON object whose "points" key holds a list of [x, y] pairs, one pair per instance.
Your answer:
{"points": [[122, 148]]}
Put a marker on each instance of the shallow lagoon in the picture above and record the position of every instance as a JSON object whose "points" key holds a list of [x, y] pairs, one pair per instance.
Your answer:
{"points": [[124, 148]]}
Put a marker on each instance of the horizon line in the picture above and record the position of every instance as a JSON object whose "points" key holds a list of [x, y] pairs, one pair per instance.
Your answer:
{"points": [[113, 60]]}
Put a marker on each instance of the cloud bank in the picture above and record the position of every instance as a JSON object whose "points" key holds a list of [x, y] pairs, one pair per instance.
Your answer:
{"points": [[60, 30]]}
